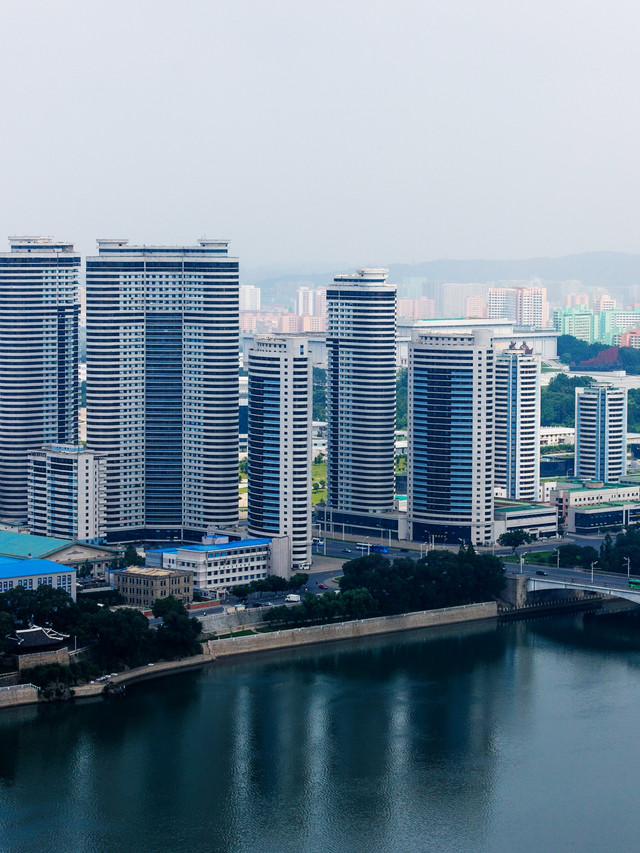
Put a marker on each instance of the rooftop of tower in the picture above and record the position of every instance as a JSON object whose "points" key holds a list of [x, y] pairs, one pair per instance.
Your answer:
{"points": [[39, 244], [121, 246], [367, 275]]}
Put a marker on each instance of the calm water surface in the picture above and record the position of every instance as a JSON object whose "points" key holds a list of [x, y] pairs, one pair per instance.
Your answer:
{"points": [[521, 737]]}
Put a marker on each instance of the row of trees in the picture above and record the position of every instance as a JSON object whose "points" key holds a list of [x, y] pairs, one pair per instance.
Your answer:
{"points": [[612, 556], [272, 583], [117, 638], [375, 586]]}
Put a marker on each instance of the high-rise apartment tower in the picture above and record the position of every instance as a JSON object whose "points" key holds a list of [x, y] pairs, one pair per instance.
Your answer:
{"points": [[451, 437], [162, 386], [361, 392], [517, 424], [39, 363], [601, 433], [280, 412]]}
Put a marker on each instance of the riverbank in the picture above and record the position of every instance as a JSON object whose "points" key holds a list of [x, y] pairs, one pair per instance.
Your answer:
{"points": [[287, 638]]}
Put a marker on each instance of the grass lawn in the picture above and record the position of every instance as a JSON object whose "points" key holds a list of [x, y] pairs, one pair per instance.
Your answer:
{"points": [[534, 558], [234, 634], [320, 495], [319, 471]]}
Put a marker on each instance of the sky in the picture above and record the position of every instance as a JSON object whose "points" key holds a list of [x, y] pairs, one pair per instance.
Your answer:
{"points": [[324, 133]]}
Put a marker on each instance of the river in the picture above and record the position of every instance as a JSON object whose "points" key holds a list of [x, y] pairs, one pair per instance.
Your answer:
{"points": [[485, 737]]}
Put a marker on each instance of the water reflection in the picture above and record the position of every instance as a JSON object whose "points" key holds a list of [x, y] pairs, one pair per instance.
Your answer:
{"points": [[402, 743]]}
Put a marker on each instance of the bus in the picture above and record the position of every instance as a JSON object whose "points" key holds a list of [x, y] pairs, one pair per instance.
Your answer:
{"points": [[634, 584], [380, 549], [363, 546]]}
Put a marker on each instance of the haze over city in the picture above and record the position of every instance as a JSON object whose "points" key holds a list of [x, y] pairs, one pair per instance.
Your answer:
{"points": [[324, 135]]}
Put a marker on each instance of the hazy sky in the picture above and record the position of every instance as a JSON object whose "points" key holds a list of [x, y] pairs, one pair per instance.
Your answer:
{"points": [[321, 132]]}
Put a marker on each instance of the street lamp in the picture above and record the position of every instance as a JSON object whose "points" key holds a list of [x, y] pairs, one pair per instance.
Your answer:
{"points": [[521, 562], [595, 563], [628, 562], [557, 550]]}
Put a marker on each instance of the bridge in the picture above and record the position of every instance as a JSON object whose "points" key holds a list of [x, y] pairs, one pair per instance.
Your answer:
{"points": [[573, 579]]}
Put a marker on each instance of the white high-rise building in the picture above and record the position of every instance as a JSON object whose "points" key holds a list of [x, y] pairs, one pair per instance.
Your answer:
{"points": [[320, 302], [361, 392], [39, 359], [525, 306], [451, 437], [67, 492], [162, 386], [517, 424], [304, 301], [250, 297], [502, 303], [601, 433], [280, 442]]}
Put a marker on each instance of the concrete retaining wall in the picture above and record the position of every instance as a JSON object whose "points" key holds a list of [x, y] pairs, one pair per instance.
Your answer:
{"points": [[9, 679], [349, 630], [222, 623], [20, 694]]}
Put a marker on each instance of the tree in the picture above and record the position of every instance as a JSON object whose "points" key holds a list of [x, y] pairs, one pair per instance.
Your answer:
{"points": [[7, 627], [514, 538], [122, 638], [44, 606], [319, 394], [402, 382], [177, 635], [170, 604], [132, 558], [557, 400]]}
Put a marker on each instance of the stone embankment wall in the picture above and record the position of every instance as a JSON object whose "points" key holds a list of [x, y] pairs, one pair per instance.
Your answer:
{"points": [[294, 637], [60, 656], [20, 694]]}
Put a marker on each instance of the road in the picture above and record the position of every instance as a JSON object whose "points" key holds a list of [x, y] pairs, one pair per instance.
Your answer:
{"points": [[577, 576]]}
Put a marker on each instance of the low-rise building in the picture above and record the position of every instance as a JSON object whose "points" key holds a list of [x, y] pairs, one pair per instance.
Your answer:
{"points": [[32, 573], [590, 519], [143, 586], [536, 519], [580, 494], [24, 546], [554, 435], [219, 565]]}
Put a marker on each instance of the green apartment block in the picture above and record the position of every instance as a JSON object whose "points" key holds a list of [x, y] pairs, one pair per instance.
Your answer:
{"points": [[580, 322], [614, 323]]}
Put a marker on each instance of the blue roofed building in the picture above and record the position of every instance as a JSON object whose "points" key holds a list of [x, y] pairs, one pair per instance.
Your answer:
{"points": [[219, 564], [32, 573], [68, 552]]}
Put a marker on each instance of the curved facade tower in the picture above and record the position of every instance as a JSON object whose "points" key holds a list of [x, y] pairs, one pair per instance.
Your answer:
{"points": [[361, 392], [162, 386], [38, 359], [280, 409]]}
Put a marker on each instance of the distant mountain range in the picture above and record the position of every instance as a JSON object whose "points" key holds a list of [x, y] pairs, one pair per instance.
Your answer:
{"points": [[594, 269]]}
